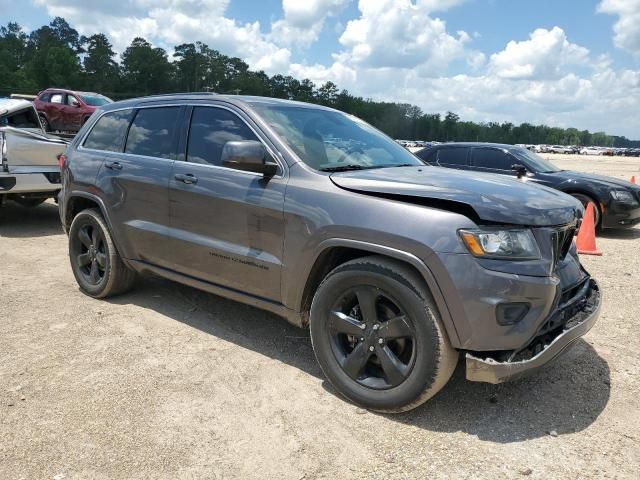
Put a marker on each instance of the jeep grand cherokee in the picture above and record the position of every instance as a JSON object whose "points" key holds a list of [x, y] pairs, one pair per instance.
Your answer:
{"points": [[396, 267]]}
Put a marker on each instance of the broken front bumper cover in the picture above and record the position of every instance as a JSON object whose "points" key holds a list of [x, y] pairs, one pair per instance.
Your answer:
{"points": [[493, 371]]}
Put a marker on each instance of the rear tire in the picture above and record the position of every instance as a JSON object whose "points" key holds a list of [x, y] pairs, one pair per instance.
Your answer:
{"points": [[45, 123], [377, 335], [95, 262]]}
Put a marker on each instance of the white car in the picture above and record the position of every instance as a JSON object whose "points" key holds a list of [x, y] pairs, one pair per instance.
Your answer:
{"points": [[591, 151], [29, 170]]}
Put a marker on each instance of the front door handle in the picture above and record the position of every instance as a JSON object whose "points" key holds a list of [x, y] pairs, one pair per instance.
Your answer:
{"points": [[187, 178], [113, 165]]}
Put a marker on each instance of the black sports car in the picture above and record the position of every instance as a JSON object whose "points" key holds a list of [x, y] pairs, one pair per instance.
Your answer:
{"points": [[617, 201]]}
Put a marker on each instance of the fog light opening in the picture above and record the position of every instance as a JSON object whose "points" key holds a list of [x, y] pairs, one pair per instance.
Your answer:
{"points": [[511, 313]]}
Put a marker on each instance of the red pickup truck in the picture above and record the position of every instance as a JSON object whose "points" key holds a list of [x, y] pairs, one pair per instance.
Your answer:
{"points": [[67, 110]]}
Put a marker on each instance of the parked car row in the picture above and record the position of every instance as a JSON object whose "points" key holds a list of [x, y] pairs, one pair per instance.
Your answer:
{"points": [[574, 149]]}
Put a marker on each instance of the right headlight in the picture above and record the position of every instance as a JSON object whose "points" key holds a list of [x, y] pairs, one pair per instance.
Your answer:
{"points": [[504, 244]]}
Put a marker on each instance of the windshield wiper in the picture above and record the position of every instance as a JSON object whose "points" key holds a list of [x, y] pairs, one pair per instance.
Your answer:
{"points": [[344, 168]]}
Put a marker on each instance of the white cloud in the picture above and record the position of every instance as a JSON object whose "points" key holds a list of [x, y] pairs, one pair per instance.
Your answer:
{"points": [[547, 54], [401, 34], [303, 21], [627, 29]]}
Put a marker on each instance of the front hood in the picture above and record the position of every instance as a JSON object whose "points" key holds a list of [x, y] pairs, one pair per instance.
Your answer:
{"points": [[601, 180], [494, 198]]}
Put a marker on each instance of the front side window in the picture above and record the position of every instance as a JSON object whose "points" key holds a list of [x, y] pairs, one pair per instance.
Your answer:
{"points": [[327, 140], [210, 129], [72, 101], [492, 158], [57, 98], [152, 132], [455, 156], [108, 133]]}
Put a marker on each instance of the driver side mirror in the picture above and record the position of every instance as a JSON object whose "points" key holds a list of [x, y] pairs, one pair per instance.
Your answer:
{"points": [[521, 170], [249, 156]]}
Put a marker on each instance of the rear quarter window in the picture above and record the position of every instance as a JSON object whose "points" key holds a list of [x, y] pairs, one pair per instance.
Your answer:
{"points": [[109, 132]]}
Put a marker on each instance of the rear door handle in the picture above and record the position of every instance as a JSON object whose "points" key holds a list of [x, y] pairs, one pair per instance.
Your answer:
{"points": [[187, 178], [113, 165]]}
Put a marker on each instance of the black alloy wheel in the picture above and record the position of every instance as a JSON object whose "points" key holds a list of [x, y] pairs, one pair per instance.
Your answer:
{"points": [[372, 338], [90, 253]]}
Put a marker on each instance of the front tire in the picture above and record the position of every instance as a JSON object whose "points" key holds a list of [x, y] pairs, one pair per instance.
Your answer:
{"points": [[585, 200], [95, 262], [378, 337]]}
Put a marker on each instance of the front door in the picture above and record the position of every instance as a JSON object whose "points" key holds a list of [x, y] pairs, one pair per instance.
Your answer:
{"points": [[227, 226]]}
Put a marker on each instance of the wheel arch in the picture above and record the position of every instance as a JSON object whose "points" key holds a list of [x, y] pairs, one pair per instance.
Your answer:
{"points": [[78, 201], [332, 253]]}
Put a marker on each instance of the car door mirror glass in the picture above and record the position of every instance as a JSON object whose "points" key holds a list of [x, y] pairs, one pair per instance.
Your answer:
{"points": [[249, 156]]}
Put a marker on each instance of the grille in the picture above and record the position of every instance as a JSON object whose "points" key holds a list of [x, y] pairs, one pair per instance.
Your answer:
{"points": [[561, 241]]}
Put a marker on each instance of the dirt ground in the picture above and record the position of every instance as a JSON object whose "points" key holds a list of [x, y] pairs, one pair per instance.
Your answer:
{"points": [[170, 382]]}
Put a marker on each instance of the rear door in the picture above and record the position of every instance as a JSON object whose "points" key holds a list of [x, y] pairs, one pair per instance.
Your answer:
{"points": [[493, 160], [452, 157], [227, 226], [72, 113], [134, 178]]}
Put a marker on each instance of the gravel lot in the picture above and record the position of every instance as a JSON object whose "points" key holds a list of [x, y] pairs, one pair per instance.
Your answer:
{"points": [[170, 382]]}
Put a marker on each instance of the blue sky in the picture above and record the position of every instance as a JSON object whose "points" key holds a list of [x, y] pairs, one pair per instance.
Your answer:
{"points": [[566, 63]]}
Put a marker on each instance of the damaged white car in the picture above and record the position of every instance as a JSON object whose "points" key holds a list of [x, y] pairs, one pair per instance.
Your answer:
{"points": [[29, 169]]}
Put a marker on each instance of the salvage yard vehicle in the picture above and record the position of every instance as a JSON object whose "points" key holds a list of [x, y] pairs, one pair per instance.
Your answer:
{"points": [[67, 110], [396, 267], [29, 170], [616, 202]]}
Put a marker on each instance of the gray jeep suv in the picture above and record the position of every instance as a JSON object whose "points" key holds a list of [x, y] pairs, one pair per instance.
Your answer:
{"points": [[396, 267]]}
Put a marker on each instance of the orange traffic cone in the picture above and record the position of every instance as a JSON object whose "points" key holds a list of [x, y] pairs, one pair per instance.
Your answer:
{"points": [[633, 179], [586, 241]]}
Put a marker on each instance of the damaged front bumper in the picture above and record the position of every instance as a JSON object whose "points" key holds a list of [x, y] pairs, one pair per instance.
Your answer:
{"points": [[583, 311]]}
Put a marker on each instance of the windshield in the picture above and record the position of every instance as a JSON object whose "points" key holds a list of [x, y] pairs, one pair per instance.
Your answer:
{"points": [[331, 141], [96, 100], [534, 161]]}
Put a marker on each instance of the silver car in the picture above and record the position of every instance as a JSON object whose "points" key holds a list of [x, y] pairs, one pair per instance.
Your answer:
{"points": [[29, 169]]}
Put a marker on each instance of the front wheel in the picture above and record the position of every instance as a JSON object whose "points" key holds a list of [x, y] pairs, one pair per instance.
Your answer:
{"points": [[96, 264], [378, 337], [586, 200]]}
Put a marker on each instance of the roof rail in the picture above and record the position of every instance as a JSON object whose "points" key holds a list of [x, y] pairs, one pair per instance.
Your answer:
{"points": [[178, 94]]}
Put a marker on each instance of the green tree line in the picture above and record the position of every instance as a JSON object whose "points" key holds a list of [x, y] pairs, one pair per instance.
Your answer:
{"points": [[56, 55]]}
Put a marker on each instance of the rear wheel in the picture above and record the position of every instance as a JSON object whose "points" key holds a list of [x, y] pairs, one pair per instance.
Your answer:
{"points": [[45, 123], [96, 264], [377, 335]]}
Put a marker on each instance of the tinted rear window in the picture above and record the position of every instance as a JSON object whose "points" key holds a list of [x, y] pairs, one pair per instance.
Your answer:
{"points": [[428, 155], [492, 158], [452, 156], [210, 129], [152, 132], [109, 132]]}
